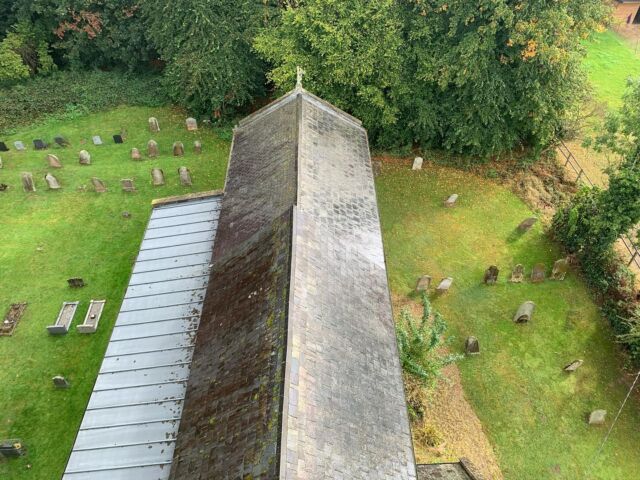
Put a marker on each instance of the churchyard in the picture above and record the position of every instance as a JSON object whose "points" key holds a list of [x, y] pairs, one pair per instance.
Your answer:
{"points": [[52, 235], [535, 414]]}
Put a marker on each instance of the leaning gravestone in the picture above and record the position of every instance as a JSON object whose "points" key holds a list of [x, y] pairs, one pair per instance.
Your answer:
{"points": [[185, 176], [192, 124], [54, 161], [84, 157], [27, 182], [61, 141], [573, 366], [3, 147], [154, 126], [538, 273], [60, 382], [96, 140], [424, 282], [127, 185], [52, 182], [39, 144], [197, 146], [178, 149], [560, 269], [417, 163], [472, 346], [517, 275], [118, 139], [451, 201], [135, 154], [98, 185], [157, 177], [526, 224], [444, 285], [19, 145], [597, 417], [524, 313], [491, 275], [152, 149]]}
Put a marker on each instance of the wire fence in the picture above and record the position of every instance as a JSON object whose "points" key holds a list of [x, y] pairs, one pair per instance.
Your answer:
{"points": [[571, 163]]}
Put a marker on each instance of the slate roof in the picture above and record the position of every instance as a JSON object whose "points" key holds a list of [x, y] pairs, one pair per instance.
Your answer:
{"points": [[130, 424], [295, 372]]}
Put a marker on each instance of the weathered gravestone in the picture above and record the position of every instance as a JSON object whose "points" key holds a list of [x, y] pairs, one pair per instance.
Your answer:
{"points": [[61, 141], [152, 149], [98, 185], [154, 126], [192, 124], [597, 417], [424, 282], [60, 382], [444, 285], [12, 448], [524, 313], [197, 146], [39, 144], [118, 139], [135, 154], [451, 201], [178, 149], [52, 182], [19, 145], [573, 366], [84, 157], [491, 275], [560, 269], [185, 176], [417, 163], [127, 185], [517, 275], [76, 282], [526, 224], [97, 140], [538, 273], [472, 346], [157, 177], [27, 182], [3, 147], [53, 161]]}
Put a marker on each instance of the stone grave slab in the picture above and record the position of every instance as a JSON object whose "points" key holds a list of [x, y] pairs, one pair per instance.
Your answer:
{"points": [[3, 147], [524, 312], [60, 382], [98, 185], [135, 154], [157, 177], [451, 201], [154, 126], [597, 417], [19, 145], [152, 149], [178, 149], [491, 275], [76, 282], [97, 140], [472, 346], [538, 273], [573, 366], [65, 317], [185, 176], [11, 319], [53, 161], [12, 448], [417, 163], [39, 144], [84, 157], [91, 320], [27, 182], [197, 147], [52, 182], [128, 185], [560, 269], [118, 139], [444, 285], [517, 275], [192, 124], [424, 282]]}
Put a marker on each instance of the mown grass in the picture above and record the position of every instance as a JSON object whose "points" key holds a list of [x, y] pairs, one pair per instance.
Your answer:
{"points": [[534, 413], [49, 236]]}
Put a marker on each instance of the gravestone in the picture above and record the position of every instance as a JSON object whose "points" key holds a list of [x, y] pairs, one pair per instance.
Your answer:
{"points": [[424, 282], [91, 320], [60, 382], [19, 145], [573, 366], [178, 149], [185, 176], [11, 448], [96, 140], [538, 273], [118, 139], [39, 144], [560, 269], [472, 346], [491, 275], [197, 146], [98, 185], [84, 157], [27, 182], [135, 154], [61, 141], [152, 149], [524, 313], [52, 182], [64, 320], [417, 163], [127, 185], [192, 124], [53, 161], [597, 417], [526, 224], [154, 126], [76, 282], [157, 177], [3, 187], [517, 275], [451, 201], [3, 147], [444, 285]]}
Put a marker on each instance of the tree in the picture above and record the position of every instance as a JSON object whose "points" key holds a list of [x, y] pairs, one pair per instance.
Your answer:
{"points": [[12, 68]]}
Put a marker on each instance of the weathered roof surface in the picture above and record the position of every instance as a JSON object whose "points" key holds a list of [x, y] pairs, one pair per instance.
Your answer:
{"points": [[129, 428], [296, 373]]}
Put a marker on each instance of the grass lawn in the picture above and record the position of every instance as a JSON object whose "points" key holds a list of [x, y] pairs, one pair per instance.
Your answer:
{"points": [[49, 236], [609, 62], [533, 412]]}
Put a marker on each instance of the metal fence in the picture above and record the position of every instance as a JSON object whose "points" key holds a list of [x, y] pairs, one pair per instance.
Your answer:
{"points": [[571, 164]]}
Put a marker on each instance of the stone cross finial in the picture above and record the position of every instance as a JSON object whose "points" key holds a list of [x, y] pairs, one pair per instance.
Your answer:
{"points": [[299, 75]]}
